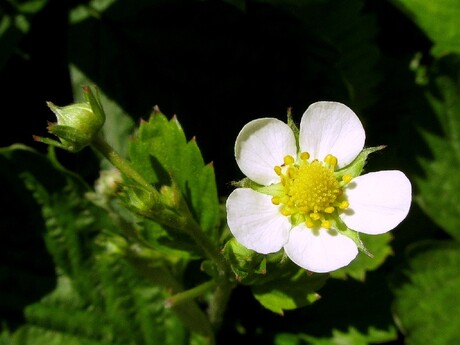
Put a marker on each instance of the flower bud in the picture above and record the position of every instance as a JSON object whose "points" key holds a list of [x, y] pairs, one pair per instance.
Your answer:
{"points": [[77, 124]]}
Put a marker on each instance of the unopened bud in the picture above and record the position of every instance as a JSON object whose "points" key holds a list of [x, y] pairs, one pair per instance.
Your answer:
{"points": [[77, 124]]}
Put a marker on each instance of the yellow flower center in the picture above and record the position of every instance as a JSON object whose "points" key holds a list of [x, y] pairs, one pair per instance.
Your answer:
{"points": [[310, 190]]}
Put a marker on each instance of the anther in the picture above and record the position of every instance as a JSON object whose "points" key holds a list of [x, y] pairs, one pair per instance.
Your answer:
{"points": [[288, 160], [309, 224], [314, 216], [276, 200], [344, 204], [277, 170], [347, 178], [285, 211], [329, 209], [330, 160], [304, 156], [326, 224]]}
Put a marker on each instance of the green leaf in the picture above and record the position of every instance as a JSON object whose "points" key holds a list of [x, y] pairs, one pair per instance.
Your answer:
{"points": [[169, 242], [352, 336], [103, 294], [438, 188], [438, 19], [378, 246], [286, 287], [33, 335], [161, 153], [22, 228], [427, 306]]}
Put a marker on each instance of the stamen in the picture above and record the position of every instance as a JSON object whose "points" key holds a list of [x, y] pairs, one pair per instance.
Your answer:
{"points": [[309, 224], [285, 211], [329, 209], [315, 216], [276, 200], [344, 204], [311, 192], [288, 160], [347, 178], [304, 156], [277, 170], [331, 161], [326, 224]]}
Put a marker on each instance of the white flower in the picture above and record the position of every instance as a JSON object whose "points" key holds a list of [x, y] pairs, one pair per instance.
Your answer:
{"points": [[305, 200]]}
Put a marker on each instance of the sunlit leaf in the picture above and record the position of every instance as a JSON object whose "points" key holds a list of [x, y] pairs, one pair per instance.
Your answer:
{"points": [[161, 153]]}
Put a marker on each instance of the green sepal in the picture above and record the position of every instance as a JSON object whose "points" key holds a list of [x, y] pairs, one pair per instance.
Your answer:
{"points": [[247, 265], [95, 104], [294, 128], [354, 235], [356, 167], [246, 183], [72, 139]]}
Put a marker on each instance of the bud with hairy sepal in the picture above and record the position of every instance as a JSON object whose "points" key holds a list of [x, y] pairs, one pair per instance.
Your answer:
{"points": [[77, 124]]}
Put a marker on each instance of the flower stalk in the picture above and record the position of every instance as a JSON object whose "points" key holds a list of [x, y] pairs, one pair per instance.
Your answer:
{"points": [[192, 293]]}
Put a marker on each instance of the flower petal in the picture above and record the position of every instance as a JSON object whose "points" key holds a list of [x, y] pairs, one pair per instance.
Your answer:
{"points": [[255, 222], [379, 201], [320, 250], [261, 145], [331, 128]]}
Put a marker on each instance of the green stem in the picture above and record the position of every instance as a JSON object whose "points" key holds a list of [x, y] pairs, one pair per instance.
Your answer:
{"points": [[187, 223], [194, 230], [188, 295], [218, 304], [100, 145]]}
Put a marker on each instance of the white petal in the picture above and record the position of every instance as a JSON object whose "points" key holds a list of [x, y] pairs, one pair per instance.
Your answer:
{"points": [[320, 250], [255, 222], [331, 128], [261, 145], [379, 201]]}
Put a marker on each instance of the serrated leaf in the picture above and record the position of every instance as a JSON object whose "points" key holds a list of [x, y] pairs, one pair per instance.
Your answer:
{"points": [[22, 227], [161, 153], [438, 19], [105, 287], [438, 189], [169, 242], [427, 306]]}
